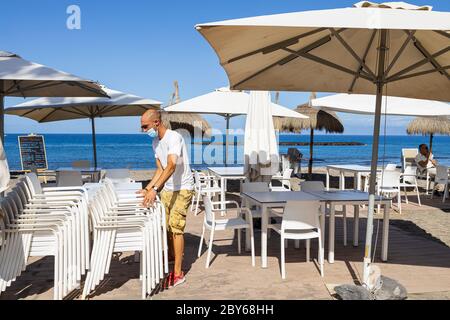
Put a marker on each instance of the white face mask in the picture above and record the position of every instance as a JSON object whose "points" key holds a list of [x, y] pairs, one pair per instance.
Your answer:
{"points": [[152, 133]]}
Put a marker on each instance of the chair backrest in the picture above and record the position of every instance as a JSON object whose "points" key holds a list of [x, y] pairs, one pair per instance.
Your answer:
{"points": [[255, 187], [69, 179], [81, 164], [301, 215], [209, 214], [409, 156], [286, 182], [389, 179], [34, 184], [410, 175], [442, 173], [391, 167], [119, 175], [312, 186]]}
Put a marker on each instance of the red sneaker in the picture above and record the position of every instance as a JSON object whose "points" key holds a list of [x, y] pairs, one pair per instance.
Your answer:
{"points": [[177, 280], [168, 282]]}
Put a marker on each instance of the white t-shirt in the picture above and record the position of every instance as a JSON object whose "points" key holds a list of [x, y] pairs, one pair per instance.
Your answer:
{"points": [[420, 157], [173, 144]]}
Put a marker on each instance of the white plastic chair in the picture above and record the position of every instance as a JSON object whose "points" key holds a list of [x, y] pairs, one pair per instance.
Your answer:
{"points": [[441, 178], [204, 185], [211, 223], [69, 179], [285, 181], [409, 180], [388, 184], [300, 222], [409, 157], [319, 186]]}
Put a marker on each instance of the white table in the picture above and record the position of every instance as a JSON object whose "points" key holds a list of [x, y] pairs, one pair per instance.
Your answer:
{"points": [[357, 171], [225, 174], [92, 171], [278, 199]]}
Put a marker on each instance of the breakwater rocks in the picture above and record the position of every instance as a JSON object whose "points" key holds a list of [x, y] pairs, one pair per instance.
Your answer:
{"points": [[299, 144]]}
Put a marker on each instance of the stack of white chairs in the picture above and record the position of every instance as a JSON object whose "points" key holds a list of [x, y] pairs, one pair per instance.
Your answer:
{"points": [[204, 185], [45, 222], [123, 225]]}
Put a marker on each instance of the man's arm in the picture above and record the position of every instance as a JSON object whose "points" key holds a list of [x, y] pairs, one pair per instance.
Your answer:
{"points": [[156, 176], [165, 175]]}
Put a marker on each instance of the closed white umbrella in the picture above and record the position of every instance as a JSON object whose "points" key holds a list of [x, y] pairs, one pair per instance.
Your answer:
{"points": [[227, 103], [57, 109], [393, 48], [260, 144], [394, 106]]}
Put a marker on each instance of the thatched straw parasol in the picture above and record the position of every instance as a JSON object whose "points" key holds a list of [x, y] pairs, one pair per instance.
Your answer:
{"points": [[318, 120], [186, 121], [429, 126]]}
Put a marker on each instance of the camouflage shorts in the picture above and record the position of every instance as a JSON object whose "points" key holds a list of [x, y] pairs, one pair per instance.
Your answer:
{"points": [[176, 205]]}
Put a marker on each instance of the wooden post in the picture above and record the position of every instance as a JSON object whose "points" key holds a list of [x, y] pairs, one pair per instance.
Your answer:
{"points": [[311, 152]]}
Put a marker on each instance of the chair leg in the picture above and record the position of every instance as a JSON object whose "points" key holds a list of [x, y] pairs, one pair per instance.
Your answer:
{"points": [[196, 206], [308, 250], [399, 202], [286, 243], [239, 240], [297, 244], [406, 195], [321, 255], [211, 239], [201, 242], [418, 195], [283, 267]]}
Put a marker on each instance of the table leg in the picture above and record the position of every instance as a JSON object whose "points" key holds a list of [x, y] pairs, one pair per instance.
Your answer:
{"points": [[264, 217], [357, 181], [328, 179], [356, 226], [323, 227], [385, 242], [342, 180], [331, 236], [223, 185]]}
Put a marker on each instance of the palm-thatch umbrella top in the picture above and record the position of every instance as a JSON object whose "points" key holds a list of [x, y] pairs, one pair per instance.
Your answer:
{"points": [[320, 120], [429, 126]]}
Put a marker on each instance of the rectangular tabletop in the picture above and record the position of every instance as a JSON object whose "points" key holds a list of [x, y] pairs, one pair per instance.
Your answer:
{"points": [[87, 169], [281, 197], [350, 167], [345, 196], [227, 171]]}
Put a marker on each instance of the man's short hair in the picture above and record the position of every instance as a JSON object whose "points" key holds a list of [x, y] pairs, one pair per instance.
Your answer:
{"points": [[423, 145]]}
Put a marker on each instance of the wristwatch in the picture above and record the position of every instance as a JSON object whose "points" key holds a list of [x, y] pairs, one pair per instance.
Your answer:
{"points": [[155, 188]]}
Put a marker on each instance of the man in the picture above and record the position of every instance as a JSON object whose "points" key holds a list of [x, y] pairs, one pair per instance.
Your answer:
{"points": [[425, 160], [173, 177]]}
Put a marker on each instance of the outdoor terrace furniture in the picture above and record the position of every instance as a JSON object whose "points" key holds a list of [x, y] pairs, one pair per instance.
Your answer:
{"points": [[285, 181], [43, 222], [409, 180], [388, 184], [409, 157], [211, 223], [204, 185], [119, 175], [312, 186], [69, 179], [268, 200], [442, 174], [300, 225], [124, 225], [224, 174]]}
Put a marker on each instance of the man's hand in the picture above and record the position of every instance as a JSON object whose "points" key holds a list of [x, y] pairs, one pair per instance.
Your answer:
{"points": [[141, 192], [150, 197]]}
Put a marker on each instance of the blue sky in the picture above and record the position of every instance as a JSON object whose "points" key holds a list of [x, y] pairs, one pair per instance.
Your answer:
{"points": [[141, 47]]}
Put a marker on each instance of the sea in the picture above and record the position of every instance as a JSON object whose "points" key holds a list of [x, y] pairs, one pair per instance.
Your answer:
{"points": [[134, 151]]}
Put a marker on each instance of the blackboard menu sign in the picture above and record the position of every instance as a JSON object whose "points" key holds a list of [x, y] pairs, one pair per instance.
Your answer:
{"points": [[32, 152]]}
